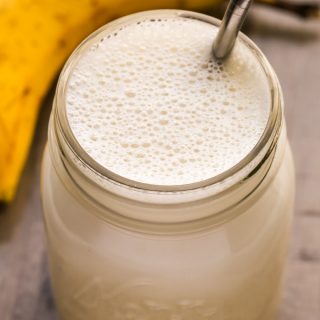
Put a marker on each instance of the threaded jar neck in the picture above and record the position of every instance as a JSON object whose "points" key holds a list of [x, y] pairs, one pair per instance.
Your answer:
{"points": [[163, 205]]}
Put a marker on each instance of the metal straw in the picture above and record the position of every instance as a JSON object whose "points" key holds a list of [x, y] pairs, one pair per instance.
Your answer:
{"points": [[229, 28]]}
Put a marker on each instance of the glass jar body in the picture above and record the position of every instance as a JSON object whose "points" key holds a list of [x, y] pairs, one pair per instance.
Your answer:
{"points": [[214, 250], [227, 271]]}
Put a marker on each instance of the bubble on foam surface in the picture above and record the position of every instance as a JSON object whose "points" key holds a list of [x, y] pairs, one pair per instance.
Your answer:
{"points": [[148, 103]]}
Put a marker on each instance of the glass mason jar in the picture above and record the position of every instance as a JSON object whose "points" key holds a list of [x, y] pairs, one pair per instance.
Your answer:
{"points": [[119, 249]]}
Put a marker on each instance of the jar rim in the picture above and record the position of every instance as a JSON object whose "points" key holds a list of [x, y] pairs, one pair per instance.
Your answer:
{"points": [[256, 154]]}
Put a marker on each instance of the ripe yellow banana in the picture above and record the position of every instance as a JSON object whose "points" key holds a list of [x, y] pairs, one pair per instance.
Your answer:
{"points": [[36, 36]]}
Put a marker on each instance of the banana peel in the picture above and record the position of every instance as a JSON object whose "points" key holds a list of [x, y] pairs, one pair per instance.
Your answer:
{"points": [[36, 37]]}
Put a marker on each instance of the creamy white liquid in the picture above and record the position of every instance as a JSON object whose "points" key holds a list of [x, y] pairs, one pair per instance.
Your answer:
{"points": [[148, 103]]}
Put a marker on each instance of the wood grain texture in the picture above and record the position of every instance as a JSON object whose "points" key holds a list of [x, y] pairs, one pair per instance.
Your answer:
{"points": [[293, 48]]}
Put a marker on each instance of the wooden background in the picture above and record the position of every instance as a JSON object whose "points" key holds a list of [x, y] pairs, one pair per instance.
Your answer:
{"points": [[293, 48]]}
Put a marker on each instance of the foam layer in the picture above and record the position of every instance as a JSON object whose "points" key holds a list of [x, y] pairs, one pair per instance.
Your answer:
{"points": [[148, 103]]}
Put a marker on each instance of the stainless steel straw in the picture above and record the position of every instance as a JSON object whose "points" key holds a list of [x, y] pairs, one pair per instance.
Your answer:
{"points": [[229, 28]]}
